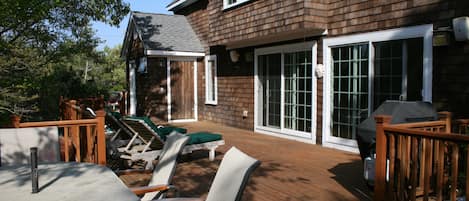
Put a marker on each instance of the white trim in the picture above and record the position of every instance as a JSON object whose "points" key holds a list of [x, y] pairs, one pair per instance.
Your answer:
{"points": [[422, 31], [276, 133], [179, 3], [208, 100], [168, 80], [195, 109], [175, 5], [314, 94], [132, 88], [226, 5], [168, 86], [174, 53], [309, 137], [182, 120]]}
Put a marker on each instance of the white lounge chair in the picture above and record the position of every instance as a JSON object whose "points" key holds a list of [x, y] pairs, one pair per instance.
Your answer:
{"points": [[231, 178], [164, 169]]}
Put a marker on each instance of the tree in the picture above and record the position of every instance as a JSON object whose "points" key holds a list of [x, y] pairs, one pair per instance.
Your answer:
{"points": [[36, 35]]}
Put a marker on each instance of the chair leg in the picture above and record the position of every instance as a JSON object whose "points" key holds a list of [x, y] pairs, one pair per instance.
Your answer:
{"points": [[211, 153], [116, 134], [127, 148]]}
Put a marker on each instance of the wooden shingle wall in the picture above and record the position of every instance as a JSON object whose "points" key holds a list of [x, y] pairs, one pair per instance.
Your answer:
{"points": [[354, 16], [152, 90], [259, 18], [235, 92]]}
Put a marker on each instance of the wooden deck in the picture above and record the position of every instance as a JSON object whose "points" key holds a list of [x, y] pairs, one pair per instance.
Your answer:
{"points": [[290, 170]]}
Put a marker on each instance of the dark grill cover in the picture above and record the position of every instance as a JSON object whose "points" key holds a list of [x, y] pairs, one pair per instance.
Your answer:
{"points": [[401, 112]]}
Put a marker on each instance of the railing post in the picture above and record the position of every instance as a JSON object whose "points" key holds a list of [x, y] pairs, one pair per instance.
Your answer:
{"points": [[123, 104], [15, 121], [100, 115], [380, 169], [446, 116], [101, 102]]}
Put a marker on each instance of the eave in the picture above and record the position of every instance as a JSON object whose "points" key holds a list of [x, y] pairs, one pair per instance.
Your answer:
{"points": [[179, 4]]}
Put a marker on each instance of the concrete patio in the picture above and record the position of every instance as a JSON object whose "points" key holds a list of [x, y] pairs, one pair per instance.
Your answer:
{"points": [[290, 170]]}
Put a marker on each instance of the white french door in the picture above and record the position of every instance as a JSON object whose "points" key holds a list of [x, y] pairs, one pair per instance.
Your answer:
{"points": [[284, 96], [364, 70]]}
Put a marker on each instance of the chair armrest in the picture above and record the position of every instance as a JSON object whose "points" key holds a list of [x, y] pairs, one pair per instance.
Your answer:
{"points": [[146, 189], [133, 171]]}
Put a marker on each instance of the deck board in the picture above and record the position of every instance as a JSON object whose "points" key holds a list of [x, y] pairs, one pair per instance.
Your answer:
{"points": [[290, 170]]}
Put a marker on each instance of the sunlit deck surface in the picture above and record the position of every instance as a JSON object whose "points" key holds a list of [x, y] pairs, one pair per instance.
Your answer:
{"points": [[290, 170]]}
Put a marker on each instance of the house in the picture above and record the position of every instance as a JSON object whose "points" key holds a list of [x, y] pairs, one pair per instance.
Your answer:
{"points": [[305, 70]]}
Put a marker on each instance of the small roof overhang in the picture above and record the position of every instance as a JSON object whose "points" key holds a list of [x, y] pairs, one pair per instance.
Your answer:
{"points": [[162, 35], [277, 37], [179, 4]]}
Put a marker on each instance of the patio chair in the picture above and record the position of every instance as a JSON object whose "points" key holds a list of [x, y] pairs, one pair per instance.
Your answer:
{"points": [[164, 169], [114, 119], [231, 178], [155, 137], [15, 144]]}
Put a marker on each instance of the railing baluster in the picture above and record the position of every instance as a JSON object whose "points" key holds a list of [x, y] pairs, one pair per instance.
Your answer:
{"points": [[423, 164], [440, 171], [467, 172], [392, 158], [76, 140], [428, 168], [454, 170], [403, 168], [66, 147], [413, 164], [89, 144]]}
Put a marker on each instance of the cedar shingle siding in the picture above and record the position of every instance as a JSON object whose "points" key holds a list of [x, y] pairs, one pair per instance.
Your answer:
{"points": [[151, 90], [260, 18]]}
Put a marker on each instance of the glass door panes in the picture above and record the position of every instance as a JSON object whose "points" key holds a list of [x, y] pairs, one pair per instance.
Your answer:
{"points": [[270, 80], [398, 68], [298, 83], [350, 89], [388, 68]]}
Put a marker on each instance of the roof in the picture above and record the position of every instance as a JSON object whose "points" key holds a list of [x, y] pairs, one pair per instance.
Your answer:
{"points": [[164, 32]]}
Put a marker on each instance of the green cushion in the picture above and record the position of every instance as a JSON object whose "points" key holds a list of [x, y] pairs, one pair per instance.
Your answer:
{"points": [[117, 115], [163, 131], [202, 137]]}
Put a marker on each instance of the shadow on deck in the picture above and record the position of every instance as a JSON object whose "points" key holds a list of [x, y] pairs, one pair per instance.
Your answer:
{"points": [[290, 170]]}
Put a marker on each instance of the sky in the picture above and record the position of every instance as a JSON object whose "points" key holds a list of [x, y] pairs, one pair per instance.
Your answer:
{"points": [[113, 36]]}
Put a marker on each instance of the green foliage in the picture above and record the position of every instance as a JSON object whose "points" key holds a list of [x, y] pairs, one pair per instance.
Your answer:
{"points": [[42, 43]]}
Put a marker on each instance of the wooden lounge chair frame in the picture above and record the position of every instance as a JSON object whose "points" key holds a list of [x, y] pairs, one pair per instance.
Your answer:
{"points": [[153, 142]]}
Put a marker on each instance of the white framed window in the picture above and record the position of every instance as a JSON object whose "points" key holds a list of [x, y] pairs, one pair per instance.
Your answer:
{"points": [[211, 87], [142, 65], [230, 3]]}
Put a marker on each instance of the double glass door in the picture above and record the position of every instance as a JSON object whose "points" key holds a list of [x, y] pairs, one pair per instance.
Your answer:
{"points": [[285, 90], [360, 84]]}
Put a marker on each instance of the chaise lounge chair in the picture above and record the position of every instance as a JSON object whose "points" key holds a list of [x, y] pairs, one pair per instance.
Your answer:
{"points": [[154, 138], [164, 169], [114, 119], [231, 178]]}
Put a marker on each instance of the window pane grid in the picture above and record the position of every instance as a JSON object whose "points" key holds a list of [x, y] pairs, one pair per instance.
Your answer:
{"points": [[350, 84], [388, 71], [298, 78], [269, 66]]}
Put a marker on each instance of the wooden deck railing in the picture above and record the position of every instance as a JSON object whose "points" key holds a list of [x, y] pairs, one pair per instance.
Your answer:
{"points": [[422, 161], [84, 137]]}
